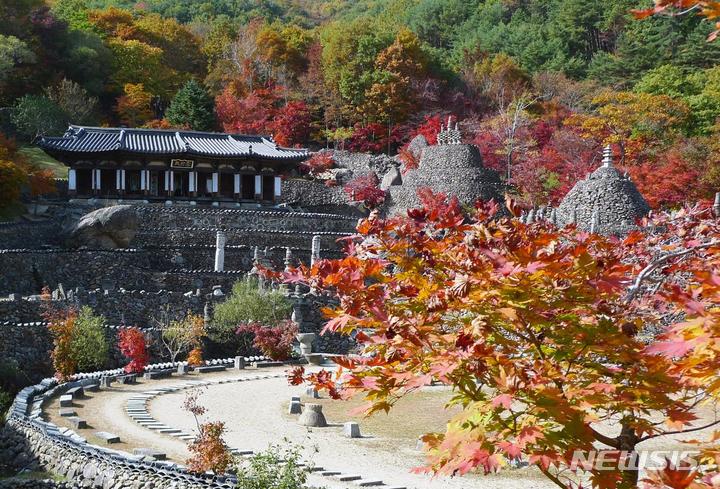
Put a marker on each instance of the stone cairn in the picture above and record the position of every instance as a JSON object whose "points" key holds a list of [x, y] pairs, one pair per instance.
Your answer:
{"points": [[606, 202], [449, 134]]}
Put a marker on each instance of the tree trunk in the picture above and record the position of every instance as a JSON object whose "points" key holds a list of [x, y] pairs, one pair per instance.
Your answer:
{"points": [[627, 441]]}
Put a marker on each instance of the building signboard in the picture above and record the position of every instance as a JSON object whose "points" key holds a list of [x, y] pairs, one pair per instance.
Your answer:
{"points": [[182, 164]]}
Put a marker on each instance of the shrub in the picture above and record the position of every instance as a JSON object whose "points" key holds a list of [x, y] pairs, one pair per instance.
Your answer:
{"points": [[179, 336], [195, 358], [61, 323], [273, 341], [365, 189], [318, 164], [133, 345], [275, 468], [248, 303], [6, 400], [89, 346], [209, 451]]}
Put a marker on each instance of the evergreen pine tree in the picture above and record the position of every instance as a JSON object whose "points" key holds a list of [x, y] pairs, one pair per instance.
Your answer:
{"points": [[192, 107]]}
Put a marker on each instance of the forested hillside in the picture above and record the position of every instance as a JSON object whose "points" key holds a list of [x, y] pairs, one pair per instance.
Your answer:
{"points": [[539, 85]]}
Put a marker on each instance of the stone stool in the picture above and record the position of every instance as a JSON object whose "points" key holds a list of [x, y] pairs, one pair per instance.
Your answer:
{"points": [[313, 416]]}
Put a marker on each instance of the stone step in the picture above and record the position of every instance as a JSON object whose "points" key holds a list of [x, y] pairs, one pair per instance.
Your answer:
{"points": [[150, 452], [370, 483], [77, 422], [348, 478], [67, 412], [66, 400], [107, 437]]}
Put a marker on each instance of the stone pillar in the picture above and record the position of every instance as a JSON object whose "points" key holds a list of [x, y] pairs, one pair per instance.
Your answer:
{"points": [[220, 251], [716, 206], [258, 187], [315, 250], [215, 181], [288, 259], [236, 186], [278, 187], [594, 221]]}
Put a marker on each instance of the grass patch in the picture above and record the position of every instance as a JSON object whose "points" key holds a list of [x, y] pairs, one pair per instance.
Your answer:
{"points": [[43, 160], [412, 416], [40, 475]]}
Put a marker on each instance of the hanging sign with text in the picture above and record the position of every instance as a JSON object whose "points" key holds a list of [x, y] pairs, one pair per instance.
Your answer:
{"points": [[182, 164]]}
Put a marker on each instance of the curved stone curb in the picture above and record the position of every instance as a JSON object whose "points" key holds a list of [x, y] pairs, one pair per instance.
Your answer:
{"points": [[137, 410]]}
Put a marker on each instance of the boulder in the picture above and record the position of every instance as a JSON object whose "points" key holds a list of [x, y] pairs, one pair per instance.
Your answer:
{"points": [[392, 177], [107, 228], [417, 146]]}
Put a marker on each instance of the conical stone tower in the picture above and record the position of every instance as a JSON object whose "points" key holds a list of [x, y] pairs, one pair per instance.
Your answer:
{"points": [[449, 167], [606, 202]]}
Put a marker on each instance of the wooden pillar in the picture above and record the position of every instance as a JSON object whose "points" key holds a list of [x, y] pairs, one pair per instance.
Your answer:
{"points": [[72, 182], [258, 187], [236, 186]]}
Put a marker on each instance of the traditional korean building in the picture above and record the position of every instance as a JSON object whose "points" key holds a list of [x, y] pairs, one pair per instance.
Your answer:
{"points": [[167, 164]]}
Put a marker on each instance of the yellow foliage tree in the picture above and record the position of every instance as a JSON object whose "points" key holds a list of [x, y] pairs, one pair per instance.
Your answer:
{"points": [[635, 122], [134, 107]]}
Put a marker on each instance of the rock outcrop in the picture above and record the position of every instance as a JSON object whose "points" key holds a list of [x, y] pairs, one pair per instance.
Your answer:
{"points": [[108, 228]]}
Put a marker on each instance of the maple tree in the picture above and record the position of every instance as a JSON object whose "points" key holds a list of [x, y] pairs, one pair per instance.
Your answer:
{"points": [[133, 345], [364, 189], [134, 106], [209, 452], [273, 341], [318, 163], [534, 327]]}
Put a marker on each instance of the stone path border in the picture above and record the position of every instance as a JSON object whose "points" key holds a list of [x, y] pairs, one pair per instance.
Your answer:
{"points": [[137, 410]]}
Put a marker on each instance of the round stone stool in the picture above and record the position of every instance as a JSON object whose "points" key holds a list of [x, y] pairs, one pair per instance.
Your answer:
{"points": [[313, 416]]}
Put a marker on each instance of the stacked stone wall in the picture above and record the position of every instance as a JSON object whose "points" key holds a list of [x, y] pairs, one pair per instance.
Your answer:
{"points": [[44, 234]]}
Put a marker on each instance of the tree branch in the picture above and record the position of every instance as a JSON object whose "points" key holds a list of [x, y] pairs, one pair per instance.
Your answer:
{"points": [[680, 432], [654, 265]]}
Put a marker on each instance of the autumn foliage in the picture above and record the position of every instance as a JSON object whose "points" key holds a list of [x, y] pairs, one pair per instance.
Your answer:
{"points": [[133, 345], [195, 357], [273, 341], [61, 323], [365, 189], [548, 348], [208, 450]]}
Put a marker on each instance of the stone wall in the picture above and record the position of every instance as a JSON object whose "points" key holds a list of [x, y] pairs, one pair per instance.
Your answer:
{"points": [[131, 307], [307, 311], [28, 442], [178, 217], [44, 234], [27, 271], [28, 345]]}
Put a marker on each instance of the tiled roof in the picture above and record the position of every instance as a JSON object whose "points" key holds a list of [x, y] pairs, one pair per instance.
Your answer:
{"points": [[79, 139]]}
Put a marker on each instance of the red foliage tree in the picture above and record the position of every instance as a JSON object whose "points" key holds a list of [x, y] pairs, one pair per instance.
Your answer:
{"points": [[374, 138], [536, 329], [291, 124], [133, 345], [318, 163], [668, 182], [430, 128], [365, 189], [273, 341]]}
